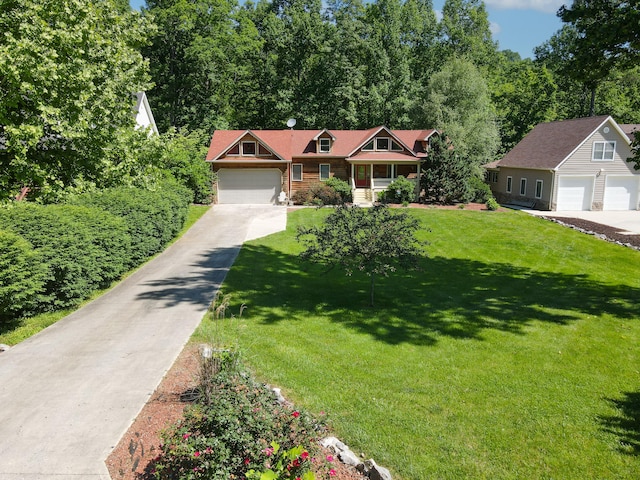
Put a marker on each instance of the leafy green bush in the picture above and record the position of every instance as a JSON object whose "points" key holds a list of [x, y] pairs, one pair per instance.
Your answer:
{"points": [[492, 204], [22, 274], [234, 432], [84, 248], [401, 190], [481, 191], [342, 188], [317, 194], [152, 218]]}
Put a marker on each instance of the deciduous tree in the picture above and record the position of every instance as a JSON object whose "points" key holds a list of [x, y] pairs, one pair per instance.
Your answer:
{"points": [[374, 241]]}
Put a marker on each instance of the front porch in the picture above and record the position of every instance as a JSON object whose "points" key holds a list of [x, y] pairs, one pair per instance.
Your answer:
{"points": [[368, 180]]}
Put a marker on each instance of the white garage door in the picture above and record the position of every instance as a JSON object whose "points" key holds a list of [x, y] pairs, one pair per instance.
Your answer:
{"points": [[260, 185], [574, 193], [621, 193]]}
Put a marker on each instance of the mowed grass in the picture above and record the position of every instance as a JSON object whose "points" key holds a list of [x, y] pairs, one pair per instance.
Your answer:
{"points": [[513, 353]]}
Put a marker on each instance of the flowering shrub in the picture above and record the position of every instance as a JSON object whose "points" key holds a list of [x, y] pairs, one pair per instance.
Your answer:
{"points": [[231, 434]]}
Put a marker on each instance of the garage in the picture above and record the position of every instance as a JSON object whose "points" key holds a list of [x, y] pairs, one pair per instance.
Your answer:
{"points": [[574, 193], [249, 186], [621, 193]]}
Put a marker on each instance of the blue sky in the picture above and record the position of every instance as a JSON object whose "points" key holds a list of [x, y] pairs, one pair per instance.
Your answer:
{"points": [[518, 25]]}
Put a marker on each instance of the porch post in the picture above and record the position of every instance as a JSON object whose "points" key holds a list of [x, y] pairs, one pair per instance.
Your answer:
{"points": [[371, 185]]}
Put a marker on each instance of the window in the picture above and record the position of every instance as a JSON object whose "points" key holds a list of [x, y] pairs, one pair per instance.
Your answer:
{"points": [[248, 148], [603, 151], [509, 181], [494, 177], [325, 145], [538, 188], [523, 186], [368, 147], [325, 169], [382, 143], [263, 152], [395, 147], [235, 150], [296, 172]]}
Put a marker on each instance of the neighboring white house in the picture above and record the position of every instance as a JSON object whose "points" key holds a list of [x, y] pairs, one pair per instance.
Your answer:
{"points": [[144, 116], [569, 165]]}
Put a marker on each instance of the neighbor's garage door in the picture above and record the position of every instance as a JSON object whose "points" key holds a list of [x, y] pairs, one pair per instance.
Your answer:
{"points": [[574, 193], [260, 185], [621, 193]]}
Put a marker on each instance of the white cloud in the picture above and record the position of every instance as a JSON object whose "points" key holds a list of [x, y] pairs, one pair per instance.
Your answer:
{"points": [[547, 6], [494, 28]]}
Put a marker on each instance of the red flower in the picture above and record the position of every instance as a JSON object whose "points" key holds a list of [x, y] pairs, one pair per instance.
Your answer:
{"points": [[304, 455], [332, 473], [329, 458], [295, 414], [196, 454], [247, 461], [296, 463]]}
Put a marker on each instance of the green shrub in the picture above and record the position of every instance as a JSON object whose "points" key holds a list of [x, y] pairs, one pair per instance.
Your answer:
{"points": [[233, 433], [84, 248], [401, 190], [152, 218], [492, 204], [22, 274], [481, 190], [342, 188], [317, 194]]}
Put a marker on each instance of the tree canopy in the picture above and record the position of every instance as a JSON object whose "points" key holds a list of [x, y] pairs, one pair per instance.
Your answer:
{"points": [[374, 241], [68, 73]]}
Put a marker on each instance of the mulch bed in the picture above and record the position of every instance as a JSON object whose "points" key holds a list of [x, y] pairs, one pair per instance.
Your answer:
{"points": [[605, 232]]}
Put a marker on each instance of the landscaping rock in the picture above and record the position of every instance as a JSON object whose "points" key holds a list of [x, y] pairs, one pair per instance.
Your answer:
{"points": [[349, 458], [375, 471], [4, 347]]}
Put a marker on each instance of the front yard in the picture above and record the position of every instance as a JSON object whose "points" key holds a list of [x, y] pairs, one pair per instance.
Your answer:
{"points": [[513, 353]]}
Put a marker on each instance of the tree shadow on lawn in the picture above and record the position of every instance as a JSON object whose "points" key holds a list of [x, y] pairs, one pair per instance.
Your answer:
{"points": [[452, 297], [625, 425]]}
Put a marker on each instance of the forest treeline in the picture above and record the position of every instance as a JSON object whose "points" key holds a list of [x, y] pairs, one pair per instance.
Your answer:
{"points": [[69, 69]]}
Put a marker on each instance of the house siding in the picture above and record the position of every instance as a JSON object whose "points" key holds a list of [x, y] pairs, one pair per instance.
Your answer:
{"points": [[499, 189], [339, 168], [581, 163]]}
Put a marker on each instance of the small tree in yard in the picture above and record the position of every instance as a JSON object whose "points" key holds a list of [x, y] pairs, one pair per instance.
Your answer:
{"points": [[376, 241]]}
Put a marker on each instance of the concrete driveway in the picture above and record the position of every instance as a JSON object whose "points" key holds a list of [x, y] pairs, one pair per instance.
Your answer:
{"points": [[69, 393], [625, 221]]}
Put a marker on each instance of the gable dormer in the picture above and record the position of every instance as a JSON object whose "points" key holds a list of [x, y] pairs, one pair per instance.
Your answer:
{"points": [[382, 143], [324, 141], [248, 146]]}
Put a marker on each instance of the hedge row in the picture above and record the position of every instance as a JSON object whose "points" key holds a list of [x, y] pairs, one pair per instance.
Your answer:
{"points": [[54, 256]]}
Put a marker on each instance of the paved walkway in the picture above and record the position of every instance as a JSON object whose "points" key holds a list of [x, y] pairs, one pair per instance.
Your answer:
{"points": [[625, 220], [69, 393]]}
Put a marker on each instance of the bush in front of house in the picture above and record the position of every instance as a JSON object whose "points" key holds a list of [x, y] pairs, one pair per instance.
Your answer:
{"points": [[492, 204], [481, 191], [317, 194], [83, 249], [22, 274], [342, 188], [401, 190]]}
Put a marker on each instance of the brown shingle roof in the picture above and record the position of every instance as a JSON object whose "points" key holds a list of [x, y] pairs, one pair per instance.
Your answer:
{"points": [[629, 128], [549, 144]]}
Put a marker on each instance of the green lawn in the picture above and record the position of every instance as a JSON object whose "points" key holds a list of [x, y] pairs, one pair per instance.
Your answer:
{"points": [[513, 353]]}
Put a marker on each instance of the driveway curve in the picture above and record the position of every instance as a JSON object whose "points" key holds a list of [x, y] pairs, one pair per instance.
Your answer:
{"points": [[69, 393]]}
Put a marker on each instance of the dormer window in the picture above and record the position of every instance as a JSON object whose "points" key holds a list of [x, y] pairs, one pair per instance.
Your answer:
{"points": [[368, 147], [324, 145], [382, 143], [248, 148]]}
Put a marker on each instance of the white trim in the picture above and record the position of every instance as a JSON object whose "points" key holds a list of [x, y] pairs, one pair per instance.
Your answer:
{"points": [[320, 149], [541, 183], [604, 144], [247, 142]]}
